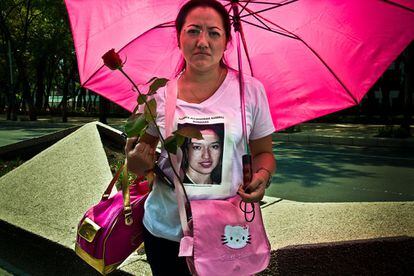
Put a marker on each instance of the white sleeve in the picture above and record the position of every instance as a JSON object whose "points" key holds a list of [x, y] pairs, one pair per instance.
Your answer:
{"points": [[262, 124]]}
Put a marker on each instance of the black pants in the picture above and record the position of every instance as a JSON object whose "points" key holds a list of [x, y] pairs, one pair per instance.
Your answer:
{"points": [[162, 256]]}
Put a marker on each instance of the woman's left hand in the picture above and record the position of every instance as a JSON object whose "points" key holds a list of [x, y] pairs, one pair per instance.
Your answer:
{"points": [[255, 190]]}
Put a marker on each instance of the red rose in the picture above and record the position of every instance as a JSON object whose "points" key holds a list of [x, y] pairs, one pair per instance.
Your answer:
{"points": [[112, 60]]}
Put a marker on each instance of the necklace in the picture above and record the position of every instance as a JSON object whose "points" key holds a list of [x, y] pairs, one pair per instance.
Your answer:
{"points": [[209, 94]]}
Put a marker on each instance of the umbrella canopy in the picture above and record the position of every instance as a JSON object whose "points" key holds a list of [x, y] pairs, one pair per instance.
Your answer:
{"points": [[313, 57]]}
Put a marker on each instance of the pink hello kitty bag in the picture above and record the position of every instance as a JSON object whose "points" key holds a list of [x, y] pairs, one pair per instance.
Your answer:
{"points": [[220, 241]]}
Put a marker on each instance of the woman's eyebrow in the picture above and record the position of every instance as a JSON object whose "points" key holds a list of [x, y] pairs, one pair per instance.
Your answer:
{"points": [[214, 27], [199, 27], [194, 25]]}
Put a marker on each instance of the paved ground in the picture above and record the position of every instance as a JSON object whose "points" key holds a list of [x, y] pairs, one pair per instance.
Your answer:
{"points": [[38, 216], [338, 173]]}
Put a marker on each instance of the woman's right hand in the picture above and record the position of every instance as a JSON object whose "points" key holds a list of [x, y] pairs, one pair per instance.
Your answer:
{"points": [[140, 156]]}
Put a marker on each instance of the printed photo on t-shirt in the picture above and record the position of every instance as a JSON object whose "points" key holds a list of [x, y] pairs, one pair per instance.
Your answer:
{"points": [[202, 159]]}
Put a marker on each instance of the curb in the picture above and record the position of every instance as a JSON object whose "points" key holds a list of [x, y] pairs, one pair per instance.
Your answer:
{"points": [[348, 141], [30, 147]]}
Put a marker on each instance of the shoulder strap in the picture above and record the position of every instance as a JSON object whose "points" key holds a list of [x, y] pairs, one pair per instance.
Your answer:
{"points": [[170, 105]]}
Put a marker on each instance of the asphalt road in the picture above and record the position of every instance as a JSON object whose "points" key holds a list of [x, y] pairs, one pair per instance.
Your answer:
{"points": [[324, 173], [14, 134], [315, 173]]}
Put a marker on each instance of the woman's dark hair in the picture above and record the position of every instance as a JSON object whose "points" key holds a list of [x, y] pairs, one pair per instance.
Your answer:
{"points": [[216, 172], [215, 5]]}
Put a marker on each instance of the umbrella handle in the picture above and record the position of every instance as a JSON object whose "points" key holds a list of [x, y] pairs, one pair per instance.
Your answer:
{"points": [[247, 170], [247, 177]]}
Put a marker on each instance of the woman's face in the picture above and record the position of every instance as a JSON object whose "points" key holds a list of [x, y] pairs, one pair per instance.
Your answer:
{"points": [[204, 155], [202, 39]]}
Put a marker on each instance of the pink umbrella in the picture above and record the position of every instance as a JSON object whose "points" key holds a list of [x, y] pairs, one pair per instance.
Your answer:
{"points": [[313, 57]]}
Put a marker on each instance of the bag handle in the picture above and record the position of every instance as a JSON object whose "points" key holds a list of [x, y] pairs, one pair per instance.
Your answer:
{"points": [[108, 190], [125, 192]]}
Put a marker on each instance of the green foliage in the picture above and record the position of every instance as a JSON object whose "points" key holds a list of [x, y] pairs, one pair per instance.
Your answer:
{"points": [[135, 125], [138, 122], [189, 132], [41, 47], [150, 111], [157, 83], [141, 99], [171, 144]]}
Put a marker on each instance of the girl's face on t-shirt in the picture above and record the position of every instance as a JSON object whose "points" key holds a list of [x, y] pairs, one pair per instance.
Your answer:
{"points": [[204, 155], [202, 39]]}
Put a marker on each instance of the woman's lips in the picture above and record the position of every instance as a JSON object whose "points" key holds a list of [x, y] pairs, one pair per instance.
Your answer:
{"points": [[206, 164], [202, 54]]}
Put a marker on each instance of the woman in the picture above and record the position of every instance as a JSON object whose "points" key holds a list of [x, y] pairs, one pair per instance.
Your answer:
{"points": [[202, 158], [208, 93]]}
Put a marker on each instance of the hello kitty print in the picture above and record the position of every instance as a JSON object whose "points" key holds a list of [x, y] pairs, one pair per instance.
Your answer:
{"points": [[236, 237]]}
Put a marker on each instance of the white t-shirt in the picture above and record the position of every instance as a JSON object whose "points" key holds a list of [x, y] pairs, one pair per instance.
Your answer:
{"points": [[219, 154]]}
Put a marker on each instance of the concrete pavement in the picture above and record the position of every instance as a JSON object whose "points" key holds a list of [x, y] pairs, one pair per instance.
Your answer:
{"points": [[43, 199]]}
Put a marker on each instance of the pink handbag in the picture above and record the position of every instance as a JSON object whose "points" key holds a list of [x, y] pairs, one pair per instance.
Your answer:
{"points": [[221, 242], [112, 229]]}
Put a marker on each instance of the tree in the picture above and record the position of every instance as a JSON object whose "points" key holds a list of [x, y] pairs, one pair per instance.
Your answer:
{"points": [[39, 37], [408, 88]]}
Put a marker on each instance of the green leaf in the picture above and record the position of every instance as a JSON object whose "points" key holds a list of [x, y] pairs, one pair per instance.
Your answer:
{"points": [[157, 83], [150, 106], [141, 99], [180, 139], [135, 124], [143, 131], [151, 80], [171, 144], [189, 132]]}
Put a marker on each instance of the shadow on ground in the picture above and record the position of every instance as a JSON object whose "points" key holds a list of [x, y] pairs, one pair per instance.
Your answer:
{"points": [[385, 256], [27, 254]]}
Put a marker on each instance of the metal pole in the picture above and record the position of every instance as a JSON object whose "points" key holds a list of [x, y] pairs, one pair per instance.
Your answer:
{"points": [[246, 158], [238, 30]]}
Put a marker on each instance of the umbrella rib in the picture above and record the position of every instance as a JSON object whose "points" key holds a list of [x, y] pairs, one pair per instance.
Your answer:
{"points": [[330, 70], [243, 7], [264, 24], [270, 30], [246, 51], [271, 8], [292, 35], [398, 5], [265, 3]]}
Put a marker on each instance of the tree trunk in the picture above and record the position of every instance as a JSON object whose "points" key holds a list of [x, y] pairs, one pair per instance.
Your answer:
{"points": [[103, 108], [40, 75], [89, 106], [408, 87], [80, 101], [71, 67], [27, 96], [12, 107], [385, 105]]}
